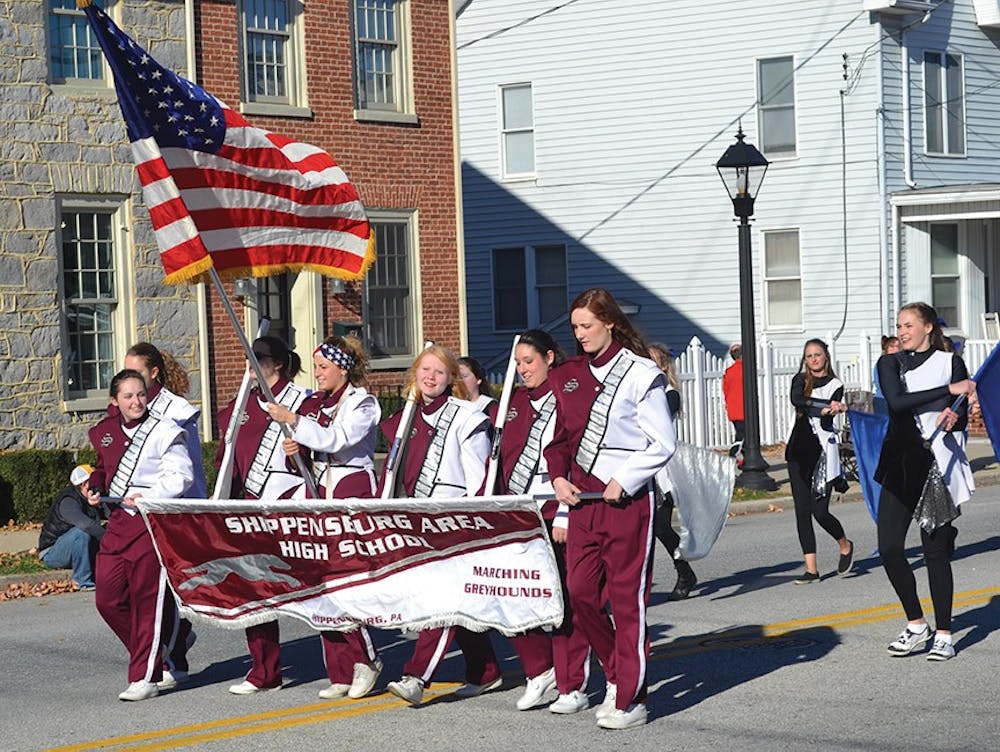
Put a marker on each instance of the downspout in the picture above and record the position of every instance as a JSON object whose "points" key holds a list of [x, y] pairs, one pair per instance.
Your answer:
{"points": [[904, 66], [883, 236], [463, 315], [896, 265], [204, 381]]}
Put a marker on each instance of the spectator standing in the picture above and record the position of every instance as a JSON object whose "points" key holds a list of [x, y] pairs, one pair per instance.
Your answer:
{"points": [[732, 393]]}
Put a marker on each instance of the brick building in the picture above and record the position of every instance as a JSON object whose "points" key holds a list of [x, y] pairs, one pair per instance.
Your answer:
{"points": [[371, 81]]}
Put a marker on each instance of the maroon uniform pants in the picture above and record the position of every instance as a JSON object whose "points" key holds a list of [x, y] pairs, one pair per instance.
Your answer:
{"points": [[341, 650], [609, 557], [131, 593]]}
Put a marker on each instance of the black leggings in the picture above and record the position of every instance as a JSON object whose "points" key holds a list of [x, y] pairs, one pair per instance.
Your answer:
{"points": [[894, 518], [666, 534], [808, 507]]}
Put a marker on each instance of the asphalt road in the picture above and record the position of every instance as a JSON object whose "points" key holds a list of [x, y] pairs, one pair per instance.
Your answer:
{"points": [[751, 662]]}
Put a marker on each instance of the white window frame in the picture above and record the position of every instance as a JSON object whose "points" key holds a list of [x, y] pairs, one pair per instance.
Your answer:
{"points": [[946, 123], [761, 107], [504, 132], [767, 280], [531, 285], [402, 109], [409, 220], [122, 317], [100, 81], [294, 102], [956, 277]]}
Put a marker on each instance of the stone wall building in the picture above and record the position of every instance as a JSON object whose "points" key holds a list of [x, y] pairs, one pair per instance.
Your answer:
{"points": [[371, 81]]}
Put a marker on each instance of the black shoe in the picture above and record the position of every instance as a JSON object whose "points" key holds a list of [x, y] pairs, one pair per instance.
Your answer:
{"points": [[840, 484], [846, 561], [683, 587], [807, 578]]}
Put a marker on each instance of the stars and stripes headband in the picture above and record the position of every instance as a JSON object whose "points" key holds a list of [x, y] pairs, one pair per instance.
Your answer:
{"points": [[335, 355]]}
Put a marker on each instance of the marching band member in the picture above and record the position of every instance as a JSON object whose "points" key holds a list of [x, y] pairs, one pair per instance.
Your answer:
{"points": [[473, 375], [662, 528], [338, 425], [138, 454], [613, 433], [561, 660], [817, 395], [446, 456], [261, 471], [166, 383], [919, 384]]}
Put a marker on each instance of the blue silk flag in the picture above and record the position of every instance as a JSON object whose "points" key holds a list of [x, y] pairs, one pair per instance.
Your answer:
{"points": [[867, 434], [987, 380]]}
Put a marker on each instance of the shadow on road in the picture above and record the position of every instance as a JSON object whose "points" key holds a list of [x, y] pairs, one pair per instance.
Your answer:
{"points": [[684, 672], [980, 622]]}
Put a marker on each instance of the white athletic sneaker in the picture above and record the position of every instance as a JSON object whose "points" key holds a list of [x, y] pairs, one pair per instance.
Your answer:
{"points": [[606, 707], [365, 676], [334, 692], [409, 688], [634, 716], [571, 703], [536, 688], [474, 690], [942, 650], [908, 641], [246, 688], [139, 690], [172, 678]]}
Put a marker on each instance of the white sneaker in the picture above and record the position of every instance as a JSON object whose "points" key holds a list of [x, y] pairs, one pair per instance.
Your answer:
{"points": [[365, 676], [574, 702], [246, 688], [409, 688], [909, 641], [634, 716], [606, 707], [941, 651], [172, 678], [139, 690], [474, 690], [334, 692], [536, 689]]}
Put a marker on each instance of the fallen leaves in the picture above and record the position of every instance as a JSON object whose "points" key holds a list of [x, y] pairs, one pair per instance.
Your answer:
{"points": [[17, 590]]}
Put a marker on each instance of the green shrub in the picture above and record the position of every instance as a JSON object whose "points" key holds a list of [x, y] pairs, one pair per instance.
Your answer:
{"points": [[30, 480]]}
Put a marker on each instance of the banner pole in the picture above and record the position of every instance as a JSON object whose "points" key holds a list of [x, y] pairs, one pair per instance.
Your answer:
{"points": [[224, 481], [508, 389], [307, 476], [400, 439]]}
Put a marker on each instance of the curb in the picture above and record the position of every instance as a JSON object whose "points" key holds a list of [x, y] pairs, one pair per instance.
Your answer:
{"points": [[33, 578]]}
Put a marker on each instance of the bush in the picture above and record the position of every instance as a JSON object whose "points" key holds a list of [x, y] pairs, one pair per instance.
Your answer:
{"points": [[30, 480]]}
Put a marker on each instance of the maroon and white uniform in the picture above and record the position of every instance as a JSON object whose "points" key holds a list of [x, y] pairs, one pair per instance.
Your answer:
{"points": [[147, 457], [528, 429], [446, 456], [612, 421], [340, 428], [262, 472]]}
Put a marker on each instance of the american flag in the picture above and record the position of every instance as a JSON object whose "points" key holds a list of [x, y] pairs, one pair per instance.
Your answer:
{"points": [[223, 193]]}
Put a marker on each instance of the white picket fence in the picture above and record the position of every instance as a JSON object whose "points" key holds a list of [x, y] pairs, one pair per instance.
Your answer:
{"points": [[703, 420]]}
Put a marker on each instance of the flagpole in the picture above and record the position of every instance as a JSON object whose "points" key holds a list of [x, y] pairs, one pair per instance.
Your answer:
{"points": [[307, 476], [498, 423], [224, 481]]}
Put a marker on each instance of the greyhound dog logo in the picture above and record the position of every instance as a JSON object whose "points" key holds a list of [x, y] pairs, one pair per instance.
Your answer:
{"points": [[251, 567]]}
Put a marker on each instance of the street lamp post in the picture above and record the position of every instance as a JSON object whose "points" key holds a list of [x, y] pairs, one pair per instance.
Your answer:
{"points": [[742, 170]]}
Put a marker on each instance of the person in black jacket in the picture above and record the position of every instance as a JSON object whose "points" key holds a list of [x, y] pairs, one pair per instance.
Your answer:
{"points": [[813, 457], [73, 529]]}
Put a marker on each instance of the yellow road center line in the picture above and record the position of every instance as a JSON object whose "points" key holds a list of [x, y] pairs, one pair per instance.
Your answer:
{"points": [[274, 720]]}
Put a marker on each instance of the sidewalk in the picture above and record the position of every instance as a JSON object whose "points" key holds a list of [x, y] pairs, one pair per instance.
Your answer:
{"points": [[986, 471]]}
